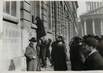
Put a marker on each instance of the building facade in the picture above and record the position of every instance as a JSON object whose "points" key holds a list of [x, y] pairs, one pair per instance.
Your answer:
{"points": [[92, 5], [18, 26], [92, 21]]}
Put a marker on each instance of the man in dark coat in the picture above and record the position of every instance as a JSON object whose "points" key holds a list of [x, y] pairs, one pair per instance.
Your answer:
{"points": [[31, 56], [75, 55], [58, 55], [93, 60], [100, 45]]}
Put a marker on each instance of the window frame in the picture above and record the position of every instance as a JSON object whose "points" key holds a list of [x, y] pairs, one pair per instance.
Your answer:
{"points": [[8, 16]]}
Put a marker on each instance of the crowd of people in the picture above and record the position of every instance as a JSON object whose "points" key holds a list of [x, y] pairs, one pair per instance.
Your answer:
{"points": [[86, 53]]}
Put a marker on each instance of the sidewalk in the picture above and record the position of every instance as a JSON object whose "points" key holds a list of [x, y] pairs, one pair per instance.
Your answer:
{"points": [[49, 68]]}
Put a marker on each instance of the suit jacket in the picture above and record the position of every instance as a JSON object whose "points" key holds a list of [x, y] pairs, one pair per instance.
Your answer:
{"points": [[94, 62]]}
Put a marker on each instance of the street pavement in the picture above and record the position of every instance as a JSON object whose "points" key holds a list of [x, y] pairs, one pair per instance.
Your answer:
{"points": [[50, 68]]}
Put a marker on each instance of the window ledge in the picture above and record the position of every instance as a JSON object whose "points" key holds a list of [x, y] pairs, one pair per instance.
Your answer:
{"points": [[49, 31], [10, 18]]}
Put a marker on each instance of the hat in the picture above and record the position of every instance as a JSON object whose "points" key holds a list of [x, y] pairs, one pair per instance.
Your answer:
{"points": [[32, 39]]}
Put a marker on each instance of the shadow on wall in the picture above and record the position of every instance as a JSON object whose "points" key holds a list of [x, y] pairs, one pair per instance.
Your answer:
{"points": [[12, 66], [17, 64]]}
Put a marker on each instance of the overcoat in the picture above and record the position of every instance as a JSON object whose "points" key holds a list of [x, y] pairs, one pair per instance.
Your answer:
{"points": [[31, 58], [58, 55], [75, 58], [94, 62]]}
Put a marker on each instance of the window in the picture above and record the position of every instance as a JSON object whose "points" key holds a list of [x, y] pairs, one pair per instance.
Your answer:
{"points": [[9, 7], [13, 8], [10, 11]]}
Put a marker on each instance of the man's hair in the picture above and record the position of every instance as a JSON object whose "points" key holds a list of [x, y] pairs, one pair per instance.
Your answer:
{"points": [[90, 41], [75, 41], [97, 37]]}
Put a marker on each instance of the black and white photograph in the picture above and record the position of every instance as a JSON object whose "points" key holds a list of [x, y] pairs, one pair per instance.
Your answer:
{"points": [[49, 35]]}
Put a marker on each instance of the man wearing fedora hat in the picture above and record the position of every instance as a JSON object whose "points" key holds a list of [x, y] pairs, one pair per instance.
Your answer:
{"points": [[31, 55]]}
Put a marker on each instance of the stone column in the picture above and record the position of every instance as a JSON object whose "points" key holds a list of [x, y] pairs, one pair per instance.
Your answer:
{"points": [[81, 27], [101, 26], [85, 28], [93, 25]]}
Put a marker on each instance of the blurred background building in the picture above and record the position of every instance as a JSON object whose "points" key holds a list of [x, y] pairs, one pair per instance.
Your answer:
{"points": [[92, 20], [92, 5], [59, 18]]}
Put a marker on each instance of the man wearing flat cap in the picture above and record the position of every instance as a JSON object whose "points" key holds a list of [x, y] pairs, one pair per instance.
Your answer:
{"points": [[31, 55]]}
